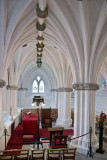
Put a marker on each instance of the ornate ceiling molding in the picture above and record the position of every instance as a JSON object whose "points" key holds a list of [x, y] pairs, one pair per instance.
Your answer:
{"points": [[40, 27], [40, 38], [2, 83], [39, 50], [64, 89], [40, 13], [12, 87], [40, 45], [85, 86]]}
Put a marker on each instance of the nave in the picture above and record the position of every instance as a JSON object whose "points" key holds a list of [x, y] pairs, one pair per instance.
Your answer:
{"points": [[56, 49]]}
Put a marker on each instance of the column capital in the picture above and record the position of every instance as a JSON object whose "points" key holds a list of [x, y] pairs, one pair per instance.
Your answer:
{"points": [[85, 86], [64, 89], [2, 83], [12, 87]]}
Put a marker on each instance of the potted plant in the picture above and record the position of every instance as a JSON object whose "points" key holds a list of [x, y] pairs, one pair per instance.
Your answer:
{"points": [[101, 123]]}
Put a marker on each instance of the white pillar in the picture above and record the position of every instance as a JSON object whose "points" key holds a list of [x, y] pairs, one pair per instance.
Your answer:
{"points": [[13, 101], [84, 115], [64, 107], [2, 84], [60, 109], [13, 94]]}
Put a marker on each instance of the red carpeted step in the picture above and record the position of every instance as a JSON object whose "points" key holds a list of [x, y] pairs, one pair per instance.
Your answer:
{"points": [[14, 146], [15, 141]]}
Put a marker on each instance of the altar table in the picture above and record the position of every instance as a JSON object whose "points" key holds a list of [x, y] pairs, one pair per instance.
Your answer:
{"points": [[30, 124]]}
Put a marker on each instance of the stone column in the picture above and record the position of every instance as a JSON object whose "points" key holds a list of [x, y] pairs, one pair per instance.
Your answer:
{"points": [[84, 114], [64, 107], [13, 97], [2, 84], [54, 98]]}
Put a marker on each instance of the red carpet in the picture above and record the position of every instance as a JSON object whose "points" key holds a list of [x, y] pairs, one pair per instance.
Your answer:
{"points": [[44, 133], [15, 141]]}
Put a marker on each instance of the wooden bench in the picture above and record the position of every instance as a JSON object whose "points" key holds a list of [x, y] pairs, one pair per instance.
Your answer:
{"points": [[69, 153], [6, 154]]}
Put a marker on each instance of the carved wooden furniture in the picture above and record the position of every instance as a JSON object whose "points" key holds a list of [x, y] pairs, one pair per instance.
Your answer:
{"points": [[54, 114], [53, 154], [59, 141], [37, 154], [46, 120], [69, 153], [55, 130], [6, 154]]}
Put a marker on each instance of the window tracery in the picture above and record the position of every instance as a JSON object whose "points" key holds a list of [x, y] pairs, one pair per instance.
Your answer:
{"points": [[38, 85]]}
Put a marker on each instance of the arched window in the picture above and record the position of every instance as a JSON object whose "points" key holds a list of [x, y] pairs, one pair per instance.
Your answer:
{"points": [[38, 85], [35, 87], [41, 87]]}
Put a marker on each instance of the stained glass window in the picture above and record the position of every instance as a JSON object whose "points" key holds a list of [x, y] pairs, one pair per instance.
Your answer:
{"points": [[35, 87], [41, 87], [38, 85]]}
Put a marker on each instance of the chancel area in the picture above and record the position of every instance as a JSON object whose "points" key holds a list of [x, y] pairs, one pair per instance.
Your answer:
{"points": [[53, 79]]}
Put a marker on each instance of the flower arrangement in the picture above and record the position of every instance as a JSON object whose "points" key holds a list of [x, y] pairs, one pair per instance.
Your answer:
{"points": [[102, 119]]}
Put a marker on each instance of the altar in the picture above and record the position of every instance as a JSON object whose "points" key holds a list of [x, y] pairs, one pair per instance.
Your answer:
{"points": [[30, 124]]}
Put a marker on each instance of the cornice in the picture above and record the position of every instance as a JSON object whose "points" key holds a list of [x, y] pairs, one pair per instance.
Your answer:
{"points": [[85, 86], [64, 89], [12, 87]]}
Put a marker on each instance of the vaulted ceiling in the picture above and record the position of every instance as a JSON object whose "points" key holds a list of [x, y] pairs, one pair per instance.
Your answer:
{"points": [[75, 38]]}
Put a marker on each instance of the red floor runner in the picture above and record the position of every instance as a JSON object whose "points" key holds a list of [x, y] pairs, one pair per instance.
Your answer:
{"points": [[15, 141]]}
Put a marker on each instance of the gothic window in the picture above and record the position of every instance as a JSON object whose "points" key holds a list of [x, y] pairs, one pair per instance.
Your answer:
{"points": [[38, 85], [35, 87], [41, 87]]}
